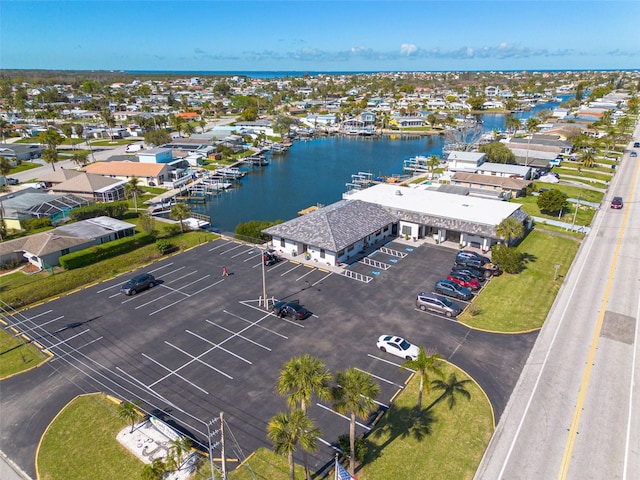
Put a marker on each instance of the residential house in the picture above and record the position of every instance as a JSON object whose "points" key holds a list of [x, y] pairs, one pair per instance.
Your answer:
{"points": [[459, 161], [151, 174], [45, 249], [30, 203]]}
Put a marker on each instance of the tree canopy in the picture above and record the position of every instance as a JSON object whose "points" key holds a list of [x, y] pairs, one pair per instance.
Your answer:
{"points": [[552, 201], [498, 152]]}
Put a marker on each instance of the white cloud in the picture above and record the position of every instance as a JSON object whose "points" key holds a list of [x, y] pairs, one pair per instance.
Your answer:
{"points": [[408, 49]]}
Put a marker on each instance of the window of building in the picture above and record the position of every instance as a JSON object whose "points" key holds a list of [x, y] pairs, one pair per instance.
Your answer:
{"points": [[282, 244], [322, 253]]}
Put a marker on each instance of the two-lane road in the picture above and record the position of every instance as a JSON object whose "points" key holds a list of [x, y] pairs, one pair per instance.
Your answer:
{"points": [[575, 411]]}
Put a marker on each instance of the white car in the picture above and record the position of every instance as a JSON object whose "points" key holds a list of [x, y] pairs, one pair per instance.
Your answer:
{"points": [[398, 346]]}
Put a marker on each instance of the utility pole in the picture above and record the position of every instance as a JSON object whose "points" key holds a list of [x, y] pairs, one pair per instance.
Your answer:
{"points": [[224, 459], [575, 212]]}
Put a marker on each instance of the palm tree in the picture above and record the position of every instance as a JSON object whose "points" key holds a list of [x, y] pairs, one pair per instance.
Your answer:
{"points": [[79, 159], [177, 449], [132, 189], [108, 120], [354, 394], [432, 163], [154, 471], [509, 230], [50, 155], [587, 157], [511, 123], [288, 431], [5, 168], [425, 364], [180, 211], [451, 388], [301, 379], [128, 411]]}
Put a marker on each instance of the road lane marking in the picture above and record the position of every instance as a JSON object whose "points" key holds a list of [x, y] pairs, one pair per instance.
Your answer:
{"points": [[586, 376]]}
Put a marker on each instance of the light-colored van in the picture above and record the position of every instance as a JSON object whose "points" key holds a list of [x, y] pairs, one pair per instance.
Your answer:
{"points": [[433, 302]]}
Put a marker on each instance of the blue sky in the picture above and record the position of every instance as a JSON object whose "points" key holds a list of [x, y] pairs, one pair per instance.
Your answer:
{"points": [[318, 35]]}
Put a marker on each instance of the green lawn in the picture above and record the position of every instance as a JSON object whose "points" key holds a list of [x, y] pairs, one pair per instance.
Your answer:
{"points": [[17, 355], [584, 215], [513, 303], [261, 464], [81, 443], [449, 442], [23, 167]]}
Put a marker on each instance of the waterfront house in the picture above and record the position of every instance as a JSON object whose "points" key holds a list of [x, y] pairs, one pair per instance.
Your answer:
{"points": [[489, 185], [464, 161], [151, 174], [97, 188]]}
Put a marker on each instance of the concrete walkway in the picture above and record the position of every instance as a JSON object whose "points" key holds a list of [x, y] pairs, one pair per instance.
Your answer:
{"points": [[9, 470]]}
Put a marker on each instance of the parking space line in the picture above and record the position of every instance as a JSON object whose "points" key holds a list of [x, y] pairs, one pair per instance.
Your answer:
{"points": [[291, 269], [75, 349], [36, 325], [172, 372], [30, 319], [217, 345], [242, 253], [188, 274], [437, 315], [219, 246], [259, 254], [174, 290], [278, 265], [241, 336], [308, 273], [343, 416], [323, 278], [322, 440], [56, 345], [390, 362], [382, 379], [189, 296], [232, 249], [256, 323]]}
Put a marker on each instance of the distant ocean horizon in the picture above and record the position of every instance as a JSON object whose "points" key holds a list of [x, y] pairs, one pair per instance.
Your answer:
{"points": [[267, 74]]}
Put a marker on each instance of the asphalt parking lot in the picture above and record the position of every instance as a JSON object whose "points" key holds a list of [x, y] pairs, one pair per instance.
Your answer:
{"points": [[199, 343]]}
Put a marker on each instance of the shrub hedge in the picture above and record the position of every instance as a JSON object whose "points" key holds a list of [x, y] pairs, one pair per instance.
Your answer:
{"points": [[96, 253], [113, 210]]}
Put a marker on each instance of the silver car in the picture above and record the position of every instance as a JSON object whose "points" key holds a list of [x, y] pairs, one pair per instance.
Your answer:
{"points": [[433, 302]]}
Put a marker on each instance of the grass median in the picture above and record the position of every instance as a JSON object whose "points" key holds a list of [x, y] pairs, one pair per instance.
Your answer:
{"points": [[521, 302], [81, 443]]}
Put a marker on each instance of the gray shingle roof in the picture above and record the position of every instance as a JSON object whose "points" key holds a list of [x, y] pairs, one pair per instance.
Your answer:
{"points": [[336, 226]]}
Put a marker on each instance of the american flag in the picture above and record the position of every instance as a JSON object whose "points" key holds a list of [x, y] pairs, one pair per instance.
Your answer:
{"points": [[342, 474]]}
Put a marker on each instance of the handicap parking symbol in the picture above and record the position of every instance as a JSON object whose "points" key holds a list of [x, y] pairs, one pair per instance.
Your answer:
{"points": [[375, 272], [409, 249], [393, 260]]}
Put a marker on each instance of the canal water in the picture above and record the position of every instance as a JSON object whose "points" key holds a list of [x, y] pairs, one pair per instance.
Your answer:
{"points": [[316, 172]]}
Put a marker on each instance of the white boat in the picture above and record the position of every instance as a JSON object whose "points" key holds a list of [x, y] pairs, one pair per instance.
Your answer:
{"points": [[230, 172], [195, 223]]}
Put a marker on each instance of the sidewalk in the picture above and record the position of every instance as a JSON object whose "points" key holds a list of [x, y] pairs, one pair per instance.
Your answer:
{"points": [[9, 470]]}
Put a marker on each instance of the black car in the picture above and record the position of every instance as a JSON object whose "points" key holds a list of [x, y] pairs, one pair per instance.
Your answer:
{"points": [[487, 268], [472, 255], [470, 271], [292, 310], [138, 283]]}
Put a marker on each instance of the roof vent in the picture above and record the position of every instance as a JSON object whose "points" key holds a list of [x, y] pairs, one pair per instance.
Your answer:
{"points": [[465, 204], [398, 192]]}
